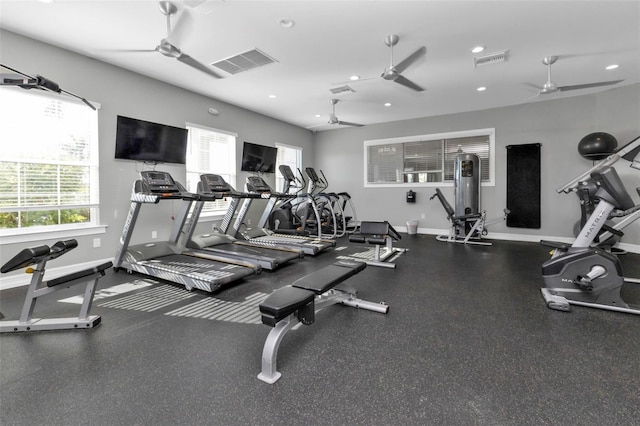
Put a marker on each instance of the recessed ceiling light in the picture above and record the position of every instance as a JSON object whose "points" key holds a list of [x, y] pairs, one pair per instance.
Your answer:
{"points": [[477, 49], [481, 89], [318, 116], [387, 104], [612, 67], [354, 77], [287, 23], [272, 96]]}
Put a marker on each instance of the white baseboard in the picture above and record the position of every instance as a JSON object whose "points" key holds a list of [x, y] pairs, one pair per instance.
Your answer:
{"points": [[21, 279], [631, 248]]}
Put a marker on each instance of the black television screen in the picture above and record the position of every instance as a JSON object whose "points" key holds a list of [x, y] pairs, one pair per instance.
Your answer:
{"points": [[141, 140], [258, 158]]}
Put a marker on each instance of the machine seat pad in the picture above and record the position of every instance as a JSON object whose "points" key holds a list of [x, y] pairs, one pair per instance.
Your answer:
{"points": [[80, 274], [380, 241], [555, 244], [283, 302], [330, 276], [357, 238]]}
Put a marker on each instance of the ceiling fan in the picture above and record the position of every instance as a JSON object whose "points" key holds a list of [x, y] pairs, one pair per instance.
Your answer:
{"points": [[333, 120], [394, 72], [551, 87], [171, 50]]}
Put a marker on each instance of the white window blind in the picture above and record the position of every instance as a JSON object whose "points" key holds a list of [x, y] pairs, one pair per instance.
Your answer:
{"points": [[48, 162], [426, 159], [210, 151], [289, 155]]}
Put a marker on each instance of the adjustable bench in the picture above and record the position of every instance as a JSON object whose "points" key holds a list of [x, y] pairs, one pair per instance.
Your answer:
{"points": [[298, 303], [382, 235], [473, 225], [39, 256]]}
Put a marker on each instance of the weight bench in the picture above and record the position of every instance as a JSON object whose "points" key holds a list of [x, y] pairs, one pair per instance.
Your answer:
{"points": [[382, 235], [298, 303], [473, 225], [38, 287]]}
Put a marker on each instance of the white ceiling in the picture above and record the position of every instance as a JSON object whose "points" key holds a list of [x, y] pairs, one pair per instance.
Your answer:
{"points": [[332, 40]]}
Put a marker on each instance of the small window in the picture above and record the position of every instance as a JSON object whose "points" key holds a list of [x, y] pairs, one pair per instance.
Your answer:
{"points": [[289, 155], [49, 165], [426, 160], [210, 151]]}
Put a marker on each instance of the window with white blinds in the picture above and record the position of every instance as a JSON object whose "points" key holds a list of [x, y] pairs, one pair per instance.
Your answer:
{"points": [[426, 160], [289, 155], [48, 162], [210, 151]]}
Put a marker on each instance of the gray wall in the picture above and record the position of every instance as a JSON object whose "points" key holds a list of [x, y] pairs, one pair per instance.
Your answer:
{"points": [[120, 92], [557, 124]]}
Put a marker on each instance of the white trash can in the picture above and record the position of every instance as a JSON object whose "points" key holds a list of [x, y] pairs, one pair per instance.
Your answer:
{"points": [[412, 227]]}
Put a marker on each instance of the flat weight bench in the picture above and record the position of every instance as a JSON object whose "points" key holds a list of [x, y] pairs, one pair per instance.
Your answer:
{"points": [[38, 287], [382, 235], [299, 303]]}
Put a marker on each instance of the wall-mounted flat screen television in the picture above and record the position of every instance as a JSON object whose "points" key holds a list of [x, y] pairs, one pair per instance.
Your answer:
{"points": [[258, 158], [141, 140]]}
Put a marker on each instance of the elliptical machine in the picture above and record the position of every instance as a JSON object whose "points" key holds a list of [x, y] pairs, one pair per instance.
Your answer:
{"points": [[588, 275]]}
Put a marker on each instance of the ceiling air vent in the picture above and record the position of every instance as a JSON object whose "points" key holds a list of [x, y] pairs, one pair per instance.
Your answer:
{"points": [[244, 61], [341, 90], [491, 58]]}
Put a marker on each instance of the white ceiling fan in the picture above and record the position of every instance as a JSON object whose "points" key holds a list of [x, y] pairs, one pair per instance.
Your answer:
{"points": [[551, 87], [333, 119], [169, 49], [394, 71]]}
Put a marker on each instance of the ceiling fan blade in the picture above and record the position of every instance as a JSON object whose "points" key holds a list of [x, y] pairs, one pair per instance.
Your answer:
{"points": [[533, 86], [128, 50], [409, 60], [408, 83], [188, 60], [589, 85], [346, 123]]}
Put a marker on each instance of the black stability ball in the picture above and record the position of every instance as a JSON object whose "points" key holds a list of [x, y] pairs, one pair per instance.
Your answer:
{"points": [[597, 146]]}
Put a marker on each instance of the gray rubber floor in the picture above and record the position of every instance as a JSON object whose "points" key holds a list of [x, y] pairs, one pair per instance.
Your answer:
{"points": [[468, 340]]}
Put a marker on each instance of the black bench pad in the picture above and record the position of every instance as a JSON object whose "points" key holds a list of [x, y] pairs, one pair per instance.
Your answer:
{"points": [[80, 274], [283, 302], [329, 276]]}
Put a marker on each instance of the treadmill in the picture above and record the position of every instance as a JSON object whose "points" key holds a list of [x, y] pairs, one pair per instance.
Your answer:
{"points": [[213, 187], [259, 235], [169, 260]]}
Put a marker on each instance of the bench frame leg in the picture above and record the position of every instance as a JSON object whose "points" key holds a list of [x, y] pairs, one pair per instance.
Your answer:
{"points": [[27, 323], [269, 373]]}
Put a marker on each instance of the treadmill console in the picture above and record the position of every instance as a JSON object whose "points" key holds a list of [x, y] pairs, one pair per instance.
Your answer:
{"points": [[257, 184], [159, 182], [214, 183]]}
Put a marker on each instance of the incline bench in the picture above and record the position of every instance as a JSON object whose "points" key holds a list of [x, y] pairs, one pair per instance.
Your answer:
{"points": [[298, 303], [382, 235], [39, 256]]}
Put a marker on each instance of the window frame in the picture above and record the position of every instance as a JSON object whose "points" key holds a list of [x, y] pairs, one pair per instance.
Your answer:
{"points": [[219, 208], [93, 226], [490, 132], [279, 179]]}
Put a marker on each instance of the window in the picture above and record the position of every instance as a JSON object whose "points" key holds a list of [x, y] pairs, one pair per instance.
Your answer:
{"points": [[289, 155], [210, 151], [427, 159], [48, 163]]}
